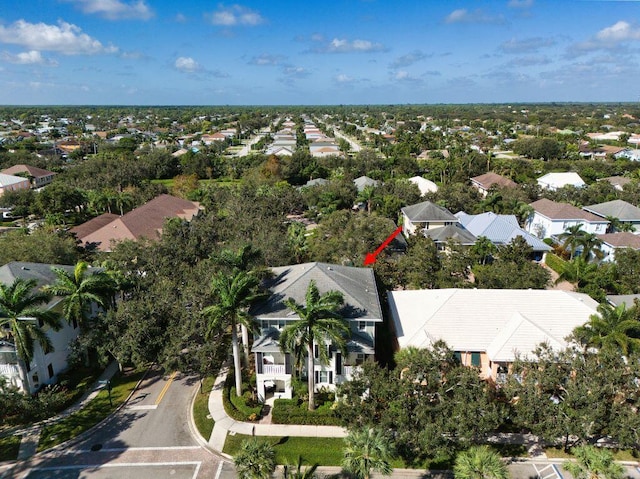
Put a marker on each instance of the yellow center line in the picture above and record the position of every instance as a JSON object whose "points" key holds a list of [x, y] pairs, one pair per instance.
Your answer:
{"points": [[166, 387]]}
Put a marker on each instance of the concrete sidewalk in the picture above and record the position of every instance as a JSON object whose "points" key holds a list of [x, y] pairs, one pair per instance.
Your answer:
{"points": [[31, 435], [224, 424]]}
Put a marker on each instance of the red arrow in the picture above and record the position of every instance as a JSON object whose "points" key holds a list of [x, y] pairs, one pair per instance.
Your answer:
{"points": [[371, 257]]}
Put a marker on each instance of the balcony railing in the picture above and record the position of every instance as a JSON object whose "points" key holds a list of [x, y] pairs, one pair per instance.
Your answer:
{"points": [[349, 371], [9, 370], [274, 369]]}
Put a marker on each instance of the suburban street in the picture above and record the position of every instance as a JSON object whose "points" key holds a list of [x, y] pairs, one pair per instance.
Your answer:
{"points": [[148, 438]]}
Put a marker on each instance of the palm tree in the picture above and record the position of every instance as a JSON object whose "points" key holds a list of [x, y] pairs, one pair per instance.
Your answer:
{"points": [[367, 450], [367, 195], [479, 462], [233, 294], [21, 311], [299, 473], [319, 321], [571, 238], [255, 460], [614, 327], [594, 463], [79, 290], [578, 271], [590, 245]]}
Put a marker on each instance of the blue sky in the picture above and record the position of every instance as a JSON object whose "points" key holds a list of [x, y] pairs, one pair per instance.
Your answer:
{"points": [[168, 52]]}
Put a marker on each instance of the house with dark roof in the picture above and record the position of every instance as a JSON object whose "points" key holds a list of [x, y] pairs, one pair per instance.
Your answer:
{"points": [[361, 308], [37, 176], [623, 211], [44, 367], [425, 215], [484, 182], [456, 233], [145, 221], [550, 219]]}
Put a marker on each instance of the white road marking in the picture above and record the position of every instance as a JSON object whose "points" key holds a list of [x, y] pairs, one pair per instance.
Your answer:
{"points": [[142, 407], [159, 448], [219, 470], [124, 464]]}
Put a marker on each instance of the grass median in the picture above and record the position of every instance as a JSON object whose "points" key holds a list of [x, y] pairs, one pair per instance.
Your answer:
{"points": [[201, 416], [94, 412]]}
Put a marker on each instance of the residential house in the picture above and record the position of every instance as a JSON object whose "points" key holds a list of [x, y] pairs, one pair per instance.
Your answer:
{"points": [[425, 186], [484, 182], [274, 369], [38, 176], [623, 211], [454, 232], [617, 182], [629, 154], [43, 368], [488, 328], [364, 181], [425, 215], [278, 150], [611, 242], [322, 148], [13, 183], [145, 221], [551, 219], [501, 230], [553, 181]]}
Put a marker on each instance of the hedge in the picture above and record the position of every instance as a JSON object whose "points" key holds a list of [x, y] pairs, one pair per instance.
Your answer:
{"points": [[555, 263], [236, 407], [294, 411]]}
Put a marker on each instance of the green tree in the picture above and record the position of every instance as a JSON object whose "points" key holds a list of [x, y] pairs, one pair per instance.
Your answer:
{"points": [[479, 462], [319, 321], [614, 327], [571, 238], [81, 289], [21, 311], [367, 450], [590, 244], [255, 460], [232, 296], [594, 463]]}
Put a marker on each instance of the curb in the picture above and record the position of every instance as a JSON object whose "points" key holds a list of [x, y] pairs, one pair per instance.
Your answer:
{"points": [[196, 433]]}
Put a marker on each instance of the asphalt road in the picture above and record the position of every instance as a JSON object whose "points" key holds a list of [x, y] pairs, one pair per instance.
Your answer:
{"points": [[149, 438]]}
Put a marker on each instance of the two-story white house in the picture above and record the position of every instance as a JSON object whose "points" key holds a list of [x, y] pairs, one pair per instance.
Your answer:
{"points": [[274, 368], [551, 219], [43, 368]]}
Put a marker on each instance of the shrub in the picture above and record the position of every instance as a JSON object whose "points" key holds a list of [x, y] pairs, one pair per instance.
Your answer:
{"points": [[240, 408], [294, 411]]}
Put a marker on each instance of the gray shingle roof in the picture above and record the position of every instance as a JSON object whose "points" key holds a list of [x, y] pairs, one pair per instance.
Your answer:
{"points": [[617, 208], [41, 272], [428, 211], [444, 234], [356, 284]]}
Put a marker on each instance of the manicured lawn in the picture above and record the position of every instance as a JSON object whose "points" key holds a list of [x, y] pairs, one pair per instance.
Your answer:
{"points": [[201, 409], [9, 448], [98, 409], [324, 451], [618, 454]]}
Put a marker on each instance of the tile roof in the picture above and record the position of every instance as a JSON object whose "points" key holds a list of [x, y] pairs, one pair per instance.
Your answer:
{"points": [[563, 211], [558, 180], [428, 211], [358, 286], [504, 323], [617, 208]]}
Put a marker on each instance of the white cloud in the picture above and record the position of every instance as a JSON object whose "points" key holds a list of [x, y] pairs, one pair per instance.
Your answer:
{"points": [[293, 71], [236, 15], [339, 45], [115, 9], [619, 32], [32, 57], [63, 38], [526, 45], [181, 18], [187, 65], [266, 59], [462, 15], [342, 78]]}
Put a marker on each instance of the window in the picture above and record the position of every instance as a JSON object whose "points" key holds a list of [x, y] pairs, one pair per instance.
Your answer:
{"points": [[316, 352], [324, 376], [458, 356], [359, 359], [475, 359], [362, 325], [50, 369]]}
